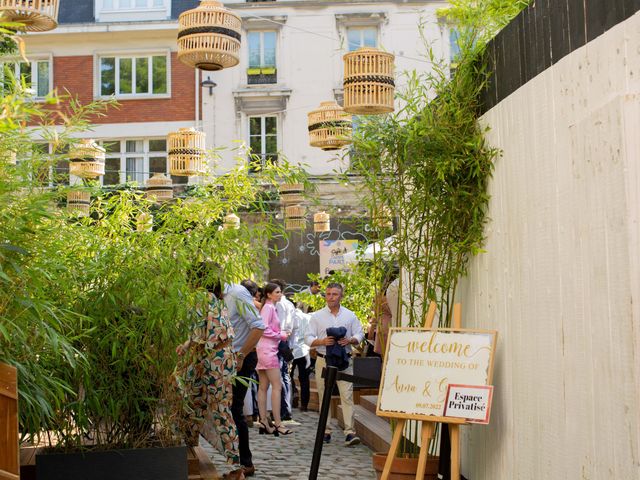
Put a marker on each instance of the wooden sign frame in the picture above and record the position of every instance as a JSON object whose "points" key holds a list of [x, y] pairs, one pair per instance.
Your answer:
{"points": [[431, 418], [429, 421]]}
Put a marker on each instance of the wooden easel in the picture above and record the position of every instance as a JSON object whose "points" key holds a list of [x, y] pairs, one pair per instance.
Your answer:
{"points": [[428, 426]]}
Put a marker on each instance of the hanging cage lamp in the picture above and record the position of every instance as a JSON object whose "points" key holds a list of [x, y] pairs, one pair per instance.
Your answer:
{"points": [[35, 15], [186, 152], [11, 157], [209, 37], [329, 127], [321, 222], [78, 203], [294, 218], [382, 218], [86, 159], [291, 193], [144, 222], [369, 84], [159, 188], [231, 222]]}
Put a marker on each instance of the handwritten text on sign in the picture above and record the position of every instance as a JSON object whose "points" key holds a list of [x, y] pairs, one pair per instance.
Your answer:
{"points": [[421, 364]]}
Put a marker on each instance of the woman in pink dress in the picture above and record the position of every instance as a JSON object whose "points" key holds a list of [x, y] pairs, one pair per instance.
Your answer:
{"points": [[268, 363]]}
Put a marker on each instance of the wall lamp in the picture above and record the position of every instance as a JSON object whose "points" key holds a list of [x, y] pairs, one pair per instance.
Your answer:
{"points": [[210, 84]]}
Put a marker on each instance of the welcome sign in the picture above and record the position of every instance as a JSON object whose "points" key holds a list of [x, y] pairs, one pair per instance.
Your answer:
{"points": [[420, 364]]}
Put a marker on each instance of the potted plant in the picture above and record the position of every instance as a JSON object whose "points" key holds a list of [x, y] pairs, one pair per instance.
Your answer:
{"points": [[429, 165], [92, 308]]}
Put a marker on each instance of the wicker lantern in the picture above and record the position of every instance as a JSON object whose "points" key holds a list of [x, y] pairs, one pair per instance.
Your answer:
{"points": [[231, 222], [35, 15], [368, 81], [321, 222], [159, 188], [78, 203], [329, 127], [10, 157], [382, 218], [144, 222], [86, 159], [209, 37], [186, 152], [294, 218], [291, 193]]}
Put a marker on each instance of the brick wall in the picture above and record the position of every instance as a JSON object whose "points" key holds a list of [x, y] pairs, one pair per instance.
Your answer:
{"points": [[76, 75]]}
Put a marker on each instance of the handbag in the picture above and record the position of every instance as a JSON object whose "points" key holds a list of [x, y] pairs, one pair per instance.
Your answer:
{"points": [[284, 350]]}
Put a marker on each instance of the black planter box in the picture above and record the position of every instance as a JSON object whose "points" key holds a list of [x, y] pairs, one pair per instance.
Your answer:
{"points": [[136, 464]]}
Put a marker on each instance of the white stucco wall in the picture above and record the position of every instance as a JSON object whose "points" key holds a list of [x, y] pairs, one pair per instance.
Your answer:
{"points": [[561, 277]]}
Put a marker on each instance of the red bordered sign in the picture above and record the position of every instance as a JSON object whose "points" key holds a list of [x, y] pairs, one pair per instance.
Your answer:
{"points": [[471, 402]]}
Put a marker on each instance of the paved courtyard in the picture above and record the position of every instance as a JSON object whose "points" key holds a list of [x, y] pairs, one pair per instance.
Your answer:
{"points": [[289, 457]]}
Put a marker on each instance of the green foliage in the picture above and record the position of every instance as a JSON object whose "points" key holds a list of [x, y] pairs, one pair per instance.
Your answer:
{"points": [[434, 150], [429, 164], [359, 285], [91, 309]]}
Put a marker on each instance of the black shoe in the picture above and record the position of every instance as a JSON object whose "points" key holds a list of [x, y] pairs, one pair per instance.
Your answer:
{"points": [[286, 418], [351, 439], [248, 471], [327, 438]]}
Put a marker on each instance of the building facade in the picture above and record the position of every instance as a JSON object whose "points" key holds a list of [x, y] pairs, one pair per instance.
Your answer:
{"points": [[290, 61]]}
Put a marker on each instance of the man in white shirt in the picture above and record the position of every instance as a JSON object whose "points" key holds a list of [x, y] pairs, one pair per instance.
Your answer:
{"points": [[335, 315], [286, 311]]}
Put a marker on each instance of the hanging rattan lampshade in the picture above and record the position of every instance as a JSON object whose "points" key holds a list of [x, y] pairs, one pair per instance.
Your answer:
{"points": [[209, 37], [144, 222], [186, 152], [321, 222], [10, 157], [382, 218], [86, 159], [231, 222], [291, 193], [35, 15], [329, 127], [159, 188], [78, 203], [369, 84], [294, 218]]}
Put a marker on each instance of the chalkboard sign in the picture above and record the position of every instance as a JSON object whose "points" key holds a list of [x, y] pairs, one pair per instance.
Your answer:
{"points": [[421, 363]]}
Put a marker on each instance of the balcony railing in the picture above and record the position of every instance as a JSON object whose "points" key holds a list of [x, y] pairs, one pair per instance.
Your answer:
{"points": [[262, 75]]}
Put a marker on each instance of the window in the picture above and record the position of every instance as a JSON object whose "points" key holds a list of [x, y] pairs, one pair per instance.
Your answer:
{"points": [[454, 49], [132, 4], [133, 75], [358, 37], [35, 75], [262, 57], [263, 140], [135, 160]]}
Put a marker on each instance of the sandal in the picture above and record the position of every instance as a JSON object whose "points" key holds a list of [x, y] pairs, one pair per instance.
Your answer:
{"points": [[282, 430], [267, 429]]}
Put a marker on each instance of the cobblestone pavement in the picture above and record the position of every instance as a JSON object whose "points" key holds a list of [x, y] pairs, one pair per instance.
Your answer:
{"points": [[289, 457]]}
